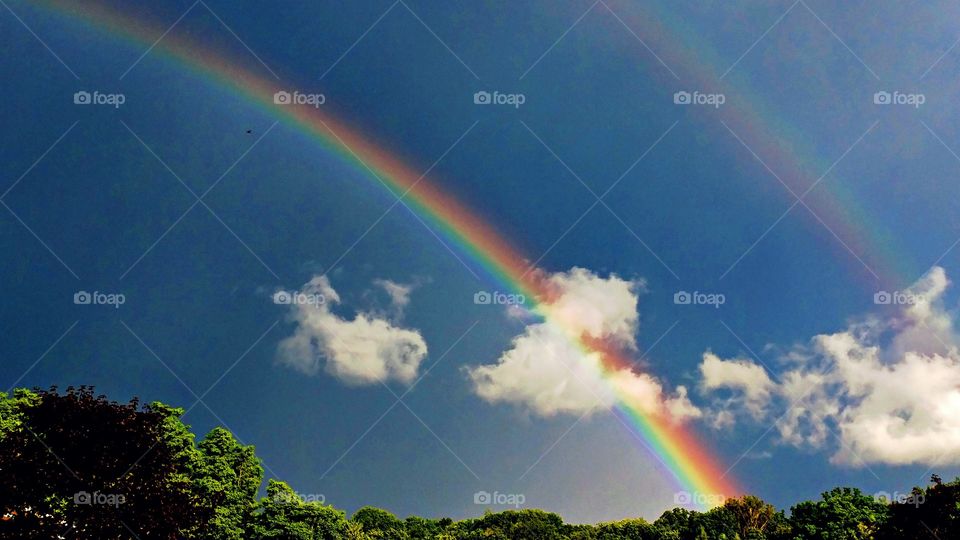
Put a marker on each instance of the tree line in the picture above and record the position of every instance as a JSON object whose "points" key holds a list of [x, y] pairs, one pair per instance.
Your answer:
{"points": [[75, 465]]}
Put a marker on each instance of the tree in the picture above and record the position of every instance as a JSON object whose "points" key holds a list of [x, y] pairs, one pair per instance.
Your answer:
{"points": [[378, 523], [511, 525], [284, 515], [419, 528], [227, 477], [842, 514], [752, 518], [79, 466], [929, 513], [632, 529]]}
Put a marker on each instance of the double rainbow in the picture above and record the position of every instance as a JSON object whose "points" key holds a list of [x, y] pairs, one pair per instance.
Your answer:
{"points": [[687, 460]]}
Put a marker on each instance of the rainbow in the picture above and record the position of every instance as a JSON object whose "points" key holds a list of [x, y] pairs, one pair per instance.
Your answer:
{"points": [[687, 460], [861, 239]]}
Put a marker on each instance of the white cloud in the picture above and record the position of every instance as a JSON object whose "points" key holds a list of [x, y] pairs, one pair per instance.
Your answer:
{"points": [[358, 351], [739, 375], [888, 389], [549, 372], [399, 294]]}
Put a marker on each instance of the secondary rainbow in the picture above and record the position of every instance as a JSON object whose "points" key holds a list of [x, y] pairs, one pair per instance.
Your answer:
{"points": [[861, 239], [684, 458]]}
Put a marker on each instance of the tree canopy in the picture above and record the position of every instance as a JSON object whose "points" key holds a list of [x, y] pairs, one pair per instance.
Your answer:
{"points": [[75, 465]]}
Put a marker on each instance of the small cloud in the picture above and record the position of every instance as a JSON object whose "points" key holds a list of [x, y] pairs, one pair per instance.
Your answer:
{"points": [[359, 351], [399, 293]]}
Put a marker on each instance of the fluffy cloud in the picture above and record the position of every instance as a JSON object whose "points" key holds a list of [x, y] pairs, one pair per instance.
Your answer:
{"points": [[358, 351], [547, 371], [747, 380], [889, 389]]}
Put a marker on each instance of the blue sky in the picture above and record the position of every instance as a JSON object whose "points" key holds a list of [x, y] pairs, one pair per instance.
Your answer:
{"points": [[86, 213]]}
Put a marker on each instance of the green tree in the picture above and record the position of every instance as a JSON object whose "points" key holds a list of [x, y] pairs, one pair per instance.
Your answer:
{"points": [[284, 515], [841, 514], [751, 516], [632, 529], [226, 476], [378, 523], [419, 528], [511, 525]]}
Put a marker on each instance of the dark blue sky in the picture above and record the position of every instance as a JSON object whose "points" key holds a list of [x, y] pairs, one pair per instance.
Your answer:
{"points": [[98, 212]]}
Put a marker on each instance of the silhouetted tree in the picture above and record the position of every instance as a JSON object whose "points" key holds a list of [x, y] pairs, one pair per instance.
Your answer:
{"points": [[79, 466]]}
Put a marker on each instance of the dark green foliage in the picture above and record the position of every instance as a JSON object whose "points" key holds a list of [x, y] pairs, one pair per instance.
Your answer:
{"points": [[76, 465], [841, 514], [511, 525], [53, 446], [283, 515], [930, 513], [379, 523]]}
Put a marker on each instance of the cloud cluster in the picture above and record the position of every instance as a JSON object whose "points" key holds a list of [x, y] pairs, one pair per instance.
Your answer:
{"points": [[359, 351], [548, 371], [880, 391]]}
